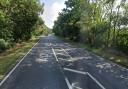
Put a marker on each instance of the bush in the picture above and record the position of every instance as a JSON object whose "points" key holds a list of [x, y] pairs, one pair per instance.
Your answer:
{"points": [[3, 45], [123, 41]]}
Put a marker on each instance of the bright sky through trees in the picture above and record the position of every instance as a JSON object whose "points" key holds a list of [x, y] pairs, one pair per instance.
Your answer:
{"points": [[51, 10]]}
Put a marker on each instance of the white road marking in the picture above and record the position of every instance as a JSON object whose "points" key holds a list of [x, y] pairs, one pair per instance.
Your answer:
{"points": [[81, 72], [86, 73], [68, 83], [55, 54], [66, 79], [74, 86], [65, 59], [67, 53], [75, 71], [7, 76], [96, 81]]}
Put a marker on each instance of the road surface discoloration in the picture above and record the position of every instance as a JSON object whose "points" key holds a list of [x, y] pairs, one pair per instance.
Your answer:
{"points": [[44, 68], [38, 70]]}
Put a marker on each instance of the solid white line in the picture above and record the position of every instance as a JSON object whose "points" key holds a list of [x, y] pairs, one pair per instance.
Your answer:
{"points": [[76, 71], [7, 76], [96, 81]]}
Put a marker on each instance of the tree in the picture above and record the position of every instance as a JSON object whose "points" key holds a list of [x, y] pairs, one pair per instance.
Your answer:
{"points": [[24, 15], [5, 21], [69, 19], [99, 23], [18, 19]]}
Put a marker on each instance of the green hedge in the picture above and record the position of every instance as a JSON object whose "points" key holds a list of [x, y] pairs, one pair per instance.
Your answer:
{"points": [[3, 45]]}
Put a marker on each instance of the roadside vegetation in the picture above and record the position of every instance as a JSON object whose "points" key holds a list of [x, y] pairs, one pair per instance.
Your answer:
{"points": [[110, 54], [19, 21], [20, 28], [9, 58], [101, 25]]}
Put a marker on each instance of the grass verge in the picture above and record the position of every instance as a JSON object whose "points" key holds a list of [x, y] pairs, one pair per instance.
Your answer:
{"points": [[10, 57], [112, 55]]}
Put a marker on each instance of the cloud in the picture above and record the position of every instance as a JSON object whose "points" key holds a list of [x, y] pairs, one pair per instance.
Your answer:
{"points": [[56, 8], [51, 11]]}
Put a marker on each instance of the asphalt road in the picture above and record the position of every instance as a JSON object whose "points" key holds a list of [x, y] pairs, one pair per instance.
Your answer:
{"points": [[55, 64]]}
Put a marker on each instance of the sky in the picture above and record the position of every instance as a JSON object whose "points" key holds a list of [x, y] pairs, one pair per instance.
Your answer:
{"points": [[51, 10]]}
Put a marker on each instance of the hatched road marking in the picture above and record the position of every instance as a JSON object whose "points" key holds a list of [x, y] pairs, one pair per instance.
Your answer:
{"points": [[86, 73]]}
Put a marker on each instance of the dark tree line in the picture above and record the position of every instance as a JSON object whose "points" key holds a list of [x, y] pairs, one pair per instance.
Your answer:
{"points": [[18, 20], [99, 23]]}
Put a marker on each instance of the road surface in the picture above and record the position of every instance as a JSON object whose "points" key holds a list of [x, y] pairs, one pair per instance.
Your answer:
{"points": [[55, 64]]}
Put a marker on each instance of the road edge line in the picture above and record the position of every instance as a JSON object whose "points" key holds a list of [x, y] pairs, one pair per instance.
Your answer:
{"points": [[13, 69]]}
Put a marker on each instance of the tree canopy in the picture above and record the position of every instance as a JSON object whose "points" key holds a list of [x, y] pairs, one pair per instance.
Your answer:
{"points": [[19, 19], [99, 23]]}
